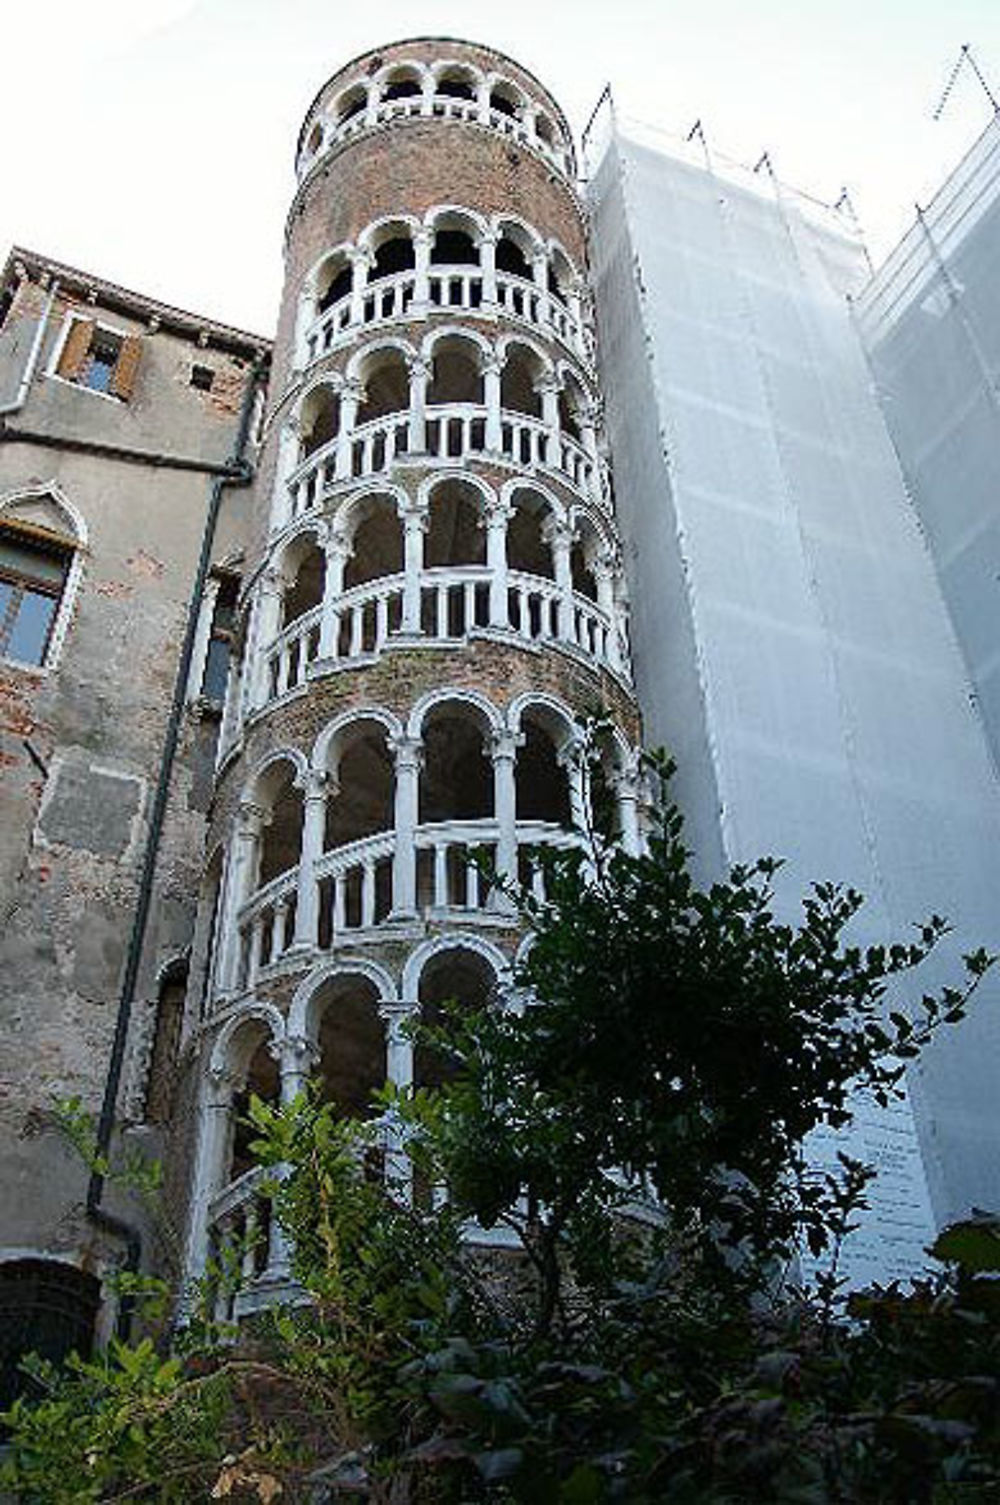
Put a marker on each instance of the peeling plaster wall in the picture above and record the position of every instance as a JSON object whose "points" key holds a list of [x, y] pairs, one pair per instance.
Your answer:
{"points": [[71, 841]]}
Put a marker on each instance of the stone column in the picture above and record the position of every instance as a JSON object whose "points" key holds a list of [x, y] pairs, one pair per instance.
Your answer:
{"points": [[240, 867], [423, 239], [351, 394], [571, 758], [267, 625], [213, 1131], [316, 786], [420, 373], [558, 534], [627, 785], [362, 261], [540, 274], [338, 549], [491, 369], [399, 1070], [408, 754], [603, 570], [483, 91], [298, 1057], [488, 266], [547, 387], [498, 515], [202, 636], [415, 522], [289, 450], [503, 751], [587, 421]]}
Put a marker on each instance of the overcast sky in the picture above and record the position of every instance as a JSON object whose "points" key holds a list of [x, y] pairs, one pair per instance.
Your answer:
{"points": [[151, 141]]}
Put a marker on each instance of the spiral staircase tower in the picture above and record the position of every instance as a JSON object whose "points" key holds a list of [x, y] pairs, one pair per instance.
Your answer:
{"points": [[433, 604]]}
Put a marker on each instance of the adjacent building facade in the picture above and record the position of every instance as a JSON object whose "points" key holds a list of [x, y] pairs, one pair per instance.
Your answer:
{"points": [[275, 719]]}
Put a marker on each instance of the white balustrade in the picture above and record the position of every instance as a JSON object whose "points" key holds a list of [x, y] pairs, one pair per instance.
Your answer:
{"points": [[456, 430], [356, 883], [266, 924], [374, 445], [454, 602], [366, 616], [292, 652], [245, 1243], [456, 288]]}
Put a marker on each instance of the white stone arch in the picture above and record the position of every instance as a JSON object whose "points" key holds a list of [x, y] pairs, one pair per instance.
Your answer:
{"points": [[586, 521], [522, 99], [325, 742], [529, 343], [558, 507], [351, 510], [438, 478], [474, 75], [473, 700], [44, 505], [523, 234], [555, 711], [380, 229], [343, 248], [567, 373], [359, 361], [302, 1021], [270, 760], [229, 1057], [456, 331], [556, 251], [293, 538], [455, 940], [477, 222], [400, 65], [351, 87]]}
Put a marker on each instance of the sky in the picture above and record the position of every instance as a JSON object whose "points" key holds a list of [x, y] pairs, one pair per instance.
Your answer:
{"points": [[151, 141]]}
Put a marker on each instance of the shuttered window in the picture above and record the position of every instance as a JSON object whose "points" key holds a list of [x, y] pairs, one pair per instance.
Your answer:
{"points": [[100, 358]]}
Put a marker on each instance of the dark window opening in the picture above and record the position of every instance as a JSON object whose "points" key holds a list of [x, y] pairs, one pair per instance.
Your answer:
{"points": [[395, 255], [202, 378], [455, 88], [510, 258], [162, 1084], [402, 88], [220, 642], [340, 287], [32, 577], [46, 1308], [454, 248], [503, 103], [351, 108]]}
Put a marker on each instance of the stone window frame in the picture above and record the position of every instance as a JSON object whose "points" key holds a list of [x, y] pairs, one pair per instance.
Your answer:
{"points": [[68, 362], [73, 541]]}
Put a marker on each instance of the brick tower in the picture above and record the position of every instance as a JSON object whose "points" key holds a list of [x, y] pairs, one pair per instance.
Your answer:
{"points": [[433, 603]]}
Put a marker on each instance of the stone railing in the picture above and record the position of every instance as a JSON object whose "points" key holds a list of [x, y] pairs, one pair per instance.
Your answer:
{"points": [[453, 433], [448, 603], [248, 1252], [266, 924], [438, 107], [458, 289]]}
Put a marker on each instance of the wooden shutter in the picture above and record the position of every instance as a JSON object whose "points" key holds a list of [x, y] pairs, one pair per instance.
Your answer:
{"points": [[76, 348], [127, 366]]}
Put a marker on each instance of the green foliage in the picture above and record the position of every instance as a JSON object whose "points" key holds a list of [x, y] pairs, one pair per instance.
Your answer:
{"points": [[674, 1048]]}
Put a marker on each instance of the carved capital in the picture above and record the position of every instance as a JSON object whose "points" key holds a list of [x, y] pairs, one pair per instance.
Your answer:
{"points": [[504, 745], [408, 753], [396, 1016]]}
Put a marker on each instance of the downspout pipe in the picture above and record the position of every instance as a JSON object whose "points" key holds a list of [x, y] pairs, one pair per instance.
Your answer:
{"points": [[27, 375], [238, 472]]}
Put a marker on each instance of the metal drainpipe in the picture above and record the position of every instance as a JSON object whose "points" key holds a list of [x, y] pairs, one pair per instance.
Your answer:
{"points": [[33, 354], [98, 1215]]}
